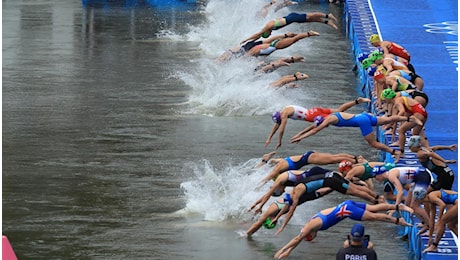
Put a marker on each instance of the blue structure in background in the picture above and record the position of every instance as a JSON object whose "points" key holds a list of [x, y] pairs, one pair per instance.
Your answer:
{"points": [[422, 27], [137, 3]]}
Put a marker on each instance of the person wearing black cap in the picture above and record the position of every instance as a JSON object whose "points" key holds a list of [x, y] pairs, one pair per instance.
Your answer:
{"points": [[357, 248]]}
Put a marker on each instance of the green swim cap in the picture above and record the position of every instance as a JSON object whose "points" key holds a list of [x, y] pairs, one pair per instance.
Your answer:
{"points": [[268, 224], [388, 93], [367, 62], [376, 55], [265, 34]]}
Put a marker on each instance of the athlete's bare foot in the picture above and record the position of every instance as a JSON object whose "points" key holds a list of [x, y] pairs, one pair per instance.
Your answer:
{"points": [[405, 208], [388, 132], [293, 85], [381, 199], [363, 100], [403, 222], [394, 144], [431, 248], [312, 33], [423, 230], [331, 16], [392, 212], [415, 120], [293, 59], [332, 24], [387, 126], [397, 155], [425, 234]]}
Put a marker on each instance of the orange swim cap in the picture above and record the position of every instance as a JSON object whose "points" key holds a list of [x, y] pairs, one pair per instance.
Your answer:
{"points": [[345, 165], [379, 75]]}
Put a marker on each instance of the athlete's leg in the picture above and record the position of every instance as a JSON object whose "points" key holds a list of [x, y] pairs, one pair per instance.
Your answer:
{"points": [[319, 17], [383, 120], [360, 191], [372, 216], [387, 206], [328, 158], [286, 42], [347, 105], [419, 83], [403, 128], [450, 216], [279, 168], [371, 140]]}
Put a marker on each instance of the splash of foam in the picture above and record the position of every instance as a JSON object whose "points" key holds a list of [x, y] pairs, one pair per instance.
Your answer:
{"points": [[231, 88], [222, 194]]}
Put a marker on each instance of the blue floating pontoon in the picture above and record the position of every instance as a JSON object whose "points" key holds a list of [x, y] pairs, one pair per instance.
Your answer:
{"points": [[428, 29], [138, 3]]}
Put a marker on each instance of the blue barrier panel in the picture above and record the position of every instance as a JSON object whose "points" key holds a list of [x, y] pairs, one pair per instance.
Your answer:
{"points": [[137, 3], [425, 27]]}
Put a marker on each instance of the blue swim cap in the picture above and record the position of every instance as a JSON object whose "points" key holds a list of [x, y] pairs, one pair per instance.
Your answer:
{"points": [[371, 71], [287, 199], [362, 56], [419, 193], [318, 120], [276, 117]]}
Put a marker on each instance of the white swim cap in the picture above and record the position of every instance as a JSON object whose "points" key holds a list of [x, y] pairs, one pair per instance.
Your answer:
{"points": [[414, 141], [419, 193]]}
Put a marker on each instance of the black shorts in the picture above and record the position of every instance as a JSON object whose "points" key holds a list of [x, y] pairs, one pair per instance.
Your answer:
{"points": [[336, 182], [388, 187], [445, 178], [418, 93], [413, 77]]}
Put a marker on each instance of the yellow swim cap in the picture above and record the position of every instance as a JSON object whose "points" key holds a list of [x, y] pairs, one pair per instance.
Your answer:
{"points": [[374, 38]]}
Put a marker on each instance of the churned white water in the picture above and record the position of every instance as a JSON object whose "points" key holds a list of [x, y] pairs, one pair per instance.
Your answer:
{"points": [[233, 88]]}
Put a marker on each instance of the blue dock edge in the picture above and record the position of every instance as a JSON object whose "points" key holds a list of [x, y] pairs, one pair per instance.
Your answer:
{"points": [[137, 3], [360, 25]]}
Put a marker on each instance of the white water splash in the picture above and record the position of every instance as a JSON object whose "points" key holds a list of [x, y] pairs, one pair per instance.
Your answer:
{"points": [[222, 194], [232, 88]]}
